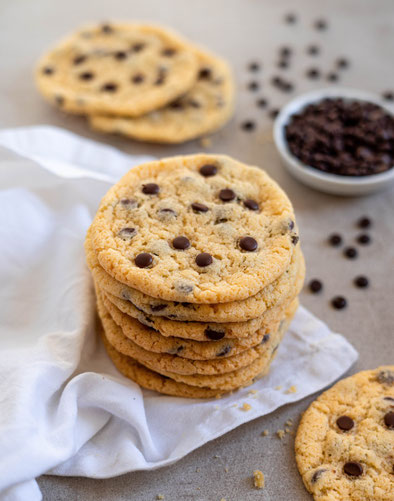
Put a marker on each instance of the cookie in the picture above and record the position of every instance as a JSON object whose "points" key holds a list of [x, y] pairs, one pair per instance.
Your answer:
{"points": [[119, 68], [235, 312], [345, 441], [151, 340], [205, 108], [164, 362], [199, 229]]}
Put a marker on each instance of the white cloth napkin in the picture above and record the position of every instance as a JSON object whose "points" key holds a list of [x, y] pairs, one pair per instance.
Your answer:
{"points": [[64, 408]]}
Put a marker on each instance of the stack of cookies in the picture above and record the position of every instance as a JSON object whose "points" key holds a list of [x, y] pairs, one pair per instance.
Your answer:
{"points": [[140, 81], [197, 266]]}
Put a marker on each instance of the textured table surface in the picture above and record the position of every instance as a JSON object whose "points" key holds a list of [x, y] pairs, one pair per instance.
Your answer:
{"points": [[242, 31]]}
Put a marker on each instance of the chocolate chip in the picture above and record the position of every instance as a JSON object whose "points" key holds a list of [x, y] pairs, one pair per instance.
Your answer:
{"points": [[350, 252], [386, 377], [265, 339], [313, 50], [254, 66], [127, 233], [138, 78], [274, 113], [184, 288], [276, 81], [181, 243], [295, 239], [251, 204], [143, 260], [79, 59], [197, 207], [313, 73], [137, 47], [109, 87], [214, 335], [388, 96], [226, 349], [205, 74], [332, 77], [290, 18], [389, 420], [253, 86], [361, 281], [204, 259], [86, 75], [194, 104], [248, 244], [353, 469], [248, 125], [150, 189], [106, 28], [168, 52], [335, 239], [364, 239], [364, 222], [59, 100], [120, 55], [283, 64], [161, 76], [342, 63], [128, 203], [166, 213], [317, 475], [158, 307], [226, 195], [315, 286], [48, 70], [339, 302], [320, 24], [345, 423], [176, 105], [262, 103], [208, 170]]}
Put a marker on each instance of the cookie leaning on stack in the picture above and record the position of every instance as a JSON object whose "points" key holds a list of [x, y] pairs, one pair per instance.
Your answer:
{"points": [[140, 81], [197, 269]]}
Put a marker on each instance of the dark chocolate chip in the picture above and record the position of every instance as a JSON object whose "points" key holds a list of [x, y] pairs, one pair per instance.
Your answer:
{"points": [[313, 73], [127, 233], [254, 66], [150, 189], [253, 86], [197, 207], [335, 239], [315, 286], [181, 243], [342, 63], [283, 64], [48, 70], [339, 302], [285, 51], [364, 239], [386, 377], [120, 55], [214, 335], [226, 349], [109, 87], [313, 50], [364, 222], [161, 76], [389, 420], [137, 47], [158, 307], [295, 239], [204, 259], [390, 399], [350, 252], [205, 74], [86, 75], [290, 18], [345, 423], [251, 204], [274, 113], [194, 104], [185, 289], [143, 260], [317, 475], [248, 244], [168, 52], [208, 170], [248, 125], [175, 350], [226, 195], [265, 339], [128, 203], [166, 213], [59, 100], [361, 281], [176, 105], [388, 96], [79, 59], [320, 24], [262, 103], [138, 78], [332, 77], [353, 469], [106, 28]]}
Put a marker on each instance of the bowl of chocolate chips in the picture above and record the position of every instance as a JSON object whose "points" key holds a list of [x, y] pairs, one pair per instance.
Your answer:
{"points": [[339, 141]]}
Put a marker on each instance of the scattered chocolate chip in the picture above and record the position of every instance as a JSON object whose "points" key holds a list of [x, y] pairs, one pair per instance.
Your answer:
{"points": [[194, 104], [295, 239], [208, 170], [175, 350], [143, 260], [315, 286], [59, 100], [276, 81], [226, 349], [161, 76], [283, 64], [248, 244], [205, 74], [353, 469], [138, 78], [184, 288], [158, 307], [137, 47], [339, 302], [350, 252], [226, 195], [106, 28], [249, 125], [313, 73], [364, 239], [386, 377], [361, 281], [79, 59], [274, 113], [254, 66], [332, 77], [291, 225], [168, 52], [345, 423], [204, 259], [285, 51], [253, 86], [388, 96], [335, 239], [317, 475], [342, 63], [261, 103], [364, 222], [389, 420], [197, 207], [181, 243], [109, 87], [127, 233], [390, 399], [151, 189], [290, 18], [120, 55], [48, 70], [320, 24], [265, 339], [128, 203], [251, 204], [313, 50], [86, 75], [214, 335]]}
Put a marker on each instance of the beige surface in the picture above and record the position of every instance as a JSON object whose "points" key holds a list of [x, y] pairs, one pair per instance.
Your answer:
{"points": [[240, 30]]}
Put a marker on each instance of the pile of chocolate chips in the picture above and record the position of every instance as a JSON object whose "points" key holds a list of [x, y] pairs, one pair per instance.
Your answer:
{"points": [[340, 137]]}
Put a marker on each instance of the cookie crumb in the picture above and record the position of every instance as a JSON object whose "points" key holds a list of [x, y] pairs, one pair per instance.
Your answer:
{"points": [[264, 433], [216, 407], [216, 456], [235, 405], [280, 434], [289, 422], [246, 407], [287, 429], [278, 387], [252, 392], [205, 142], [197, 469], [292, 389], [160, 496], [222, 499], [258, 478], [226, 469]]}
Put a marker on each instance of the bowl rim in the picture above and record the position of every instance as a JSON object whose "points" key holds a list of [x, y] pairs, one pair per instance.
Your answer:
{"points": [[299, 102]]}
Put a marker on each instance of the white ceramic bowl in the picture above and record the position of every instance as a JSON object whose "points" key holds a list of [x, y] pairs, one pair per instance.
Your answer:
{"points": [[323, 181]]}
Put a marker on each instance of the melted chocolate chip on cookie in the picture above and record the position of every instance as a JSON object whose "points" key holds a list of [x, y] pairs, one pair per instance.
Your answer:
{"points": [[79, 59], [120, 55], [251, 204], [345, 423], [208, 170], [143, 260], [353, 469], [317, 475], [214, 335], [48, 70], [197, 207], [248, 244], [127, 233], [128, 203], [226, 349], [158, 307], [138, 78], [205, 74], [226, 195], [109, 87], [181, 243], [168, 52], [150, 189], [204, 259], [86, 75]]}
